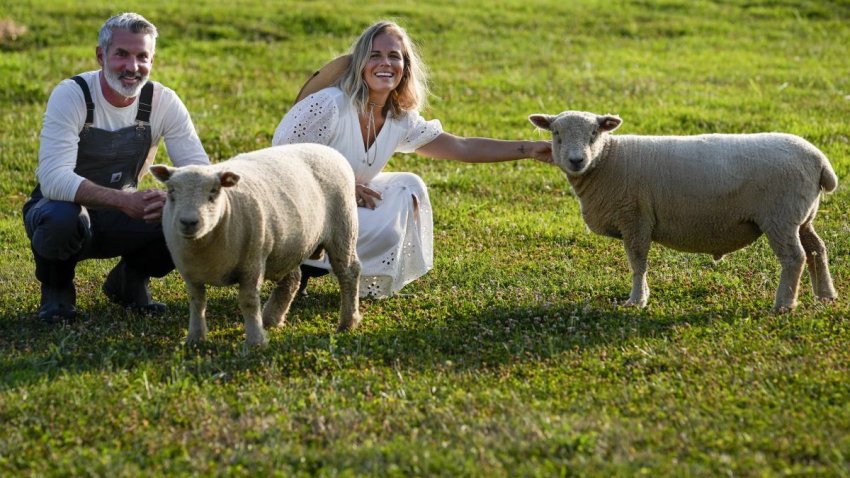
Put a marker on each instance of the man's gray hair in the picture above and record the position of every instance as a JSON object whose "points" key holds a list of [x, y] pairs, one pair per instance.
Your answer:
{"points": [[132, 22]]}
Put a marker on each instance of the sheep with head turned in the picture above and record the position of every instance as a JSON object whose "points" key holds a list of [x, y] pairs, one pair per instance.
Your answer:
{"points": [[257, 216], [712, 193]]}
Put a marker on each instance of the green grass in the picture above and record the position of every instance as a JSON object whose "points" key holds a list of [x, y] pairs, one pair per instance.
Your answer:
{"points": [[513, 356]]}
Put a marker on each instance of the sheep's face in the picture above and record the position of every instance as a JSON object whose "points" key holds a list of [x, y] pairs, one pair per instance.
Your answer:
{"points": [[195, 199], [577, 138]]}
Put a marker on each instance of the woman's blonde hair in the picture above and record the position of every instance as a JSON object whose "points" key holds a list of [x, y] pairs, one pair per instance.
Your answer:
{"points": [[410, 94]]}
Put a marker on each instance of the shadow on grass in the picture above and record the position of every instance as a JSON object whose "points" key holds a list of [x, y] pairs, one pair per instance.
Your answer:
{"points": [[466, 338]]}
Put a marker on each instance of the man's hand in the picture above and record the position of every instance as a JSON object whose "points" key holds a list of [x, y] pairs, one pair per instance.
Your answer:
{"points": [[146, 205], [154, 200]]}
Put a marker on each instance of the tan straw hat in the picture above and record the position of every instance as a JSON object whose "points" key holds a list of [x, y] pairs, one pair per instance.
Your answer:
{"points": [[324, 77]]}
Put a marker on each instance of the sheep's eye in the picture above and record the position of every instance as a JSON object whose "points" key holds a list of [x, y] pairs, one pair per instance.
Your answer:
{"points": [[170, 194], [213, 194], [593, 134]]}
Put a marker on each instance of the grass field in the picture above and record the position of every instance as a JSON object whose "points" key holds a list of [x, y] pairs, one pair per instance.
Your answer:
{"points": [[513, 357]]}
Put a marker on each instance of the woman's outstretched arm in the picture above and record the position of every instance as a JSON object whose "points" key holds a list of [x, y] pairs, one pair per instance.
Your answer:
{"points": [[485, 150]]}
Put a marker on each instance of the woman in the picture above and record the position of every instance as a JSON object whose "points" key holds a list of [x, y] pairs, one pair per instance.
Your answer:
{"points": [[371, 112]]}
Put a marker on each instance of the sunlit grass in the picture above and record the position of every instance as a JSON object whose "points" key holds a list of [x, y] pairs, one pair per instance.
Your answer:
{"points": [[514, 355]]}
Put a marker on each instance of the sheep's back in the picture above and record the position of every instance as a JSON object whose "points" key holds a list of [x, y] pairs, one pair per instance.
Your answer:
{"points": [[289, 197], [736, 169], [706, 193]]}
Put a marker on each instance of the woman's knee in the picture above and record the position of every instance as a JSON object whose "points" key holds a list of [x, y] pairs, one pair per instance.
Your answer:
{"points": [[412, 182]]}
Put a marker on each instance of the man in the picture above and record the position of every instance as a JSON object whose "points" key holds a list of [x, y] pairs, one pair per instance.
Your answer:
{"points": [[100, 133]]}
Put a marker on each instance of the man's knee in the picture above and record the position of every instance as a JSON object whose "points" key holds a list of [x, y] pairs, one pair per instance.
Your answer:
{"points": [[58, 229]]}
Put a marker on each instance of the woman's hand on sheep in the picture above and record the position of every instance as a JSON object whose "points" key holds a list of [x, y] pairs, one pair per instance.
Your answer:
{"points": [[365, 196], [541, 151]]}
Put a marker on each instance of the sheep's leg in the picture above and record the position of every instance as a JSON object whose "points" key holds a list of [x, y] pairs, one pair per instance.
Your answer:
{"points": [[342, 252], [637, 250], [816, 260], [348, 275], [788, 249], [249, 304], [277, 306], [197, 312]]}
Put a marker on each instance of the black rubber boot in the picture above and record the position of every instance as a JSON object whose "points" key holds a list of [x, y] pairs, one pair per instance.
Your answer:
{"points": [[58, 303], [306, 273], [129, 289]]}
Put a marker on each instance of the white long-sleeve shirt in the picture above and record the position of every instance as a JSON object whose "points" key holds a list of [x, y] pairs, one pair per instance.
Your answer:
{"points": [[66, 115]]}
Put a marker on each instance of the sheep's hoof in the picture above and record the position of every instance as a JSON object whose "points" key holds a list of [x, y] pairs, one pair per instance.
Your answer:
{"points": [[783, 309], [195, 338], [640, 304], [270, 323], [260, 341], [351, 324]]}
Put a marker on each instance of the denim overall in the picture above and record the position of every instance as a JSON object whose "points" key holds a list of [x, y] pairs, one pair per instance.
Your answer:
{"points": [[63, 233]]}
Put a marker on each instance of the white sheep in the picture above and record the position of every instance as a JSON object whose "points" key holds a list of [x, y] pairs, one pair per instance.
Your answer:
{"points": [[258, 216], [712, 194]]}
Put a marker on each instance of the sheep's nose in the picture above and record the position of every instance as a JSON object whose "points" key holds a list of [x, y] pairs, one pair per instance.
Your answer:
{"points": [[576, 160], [188, 223]]}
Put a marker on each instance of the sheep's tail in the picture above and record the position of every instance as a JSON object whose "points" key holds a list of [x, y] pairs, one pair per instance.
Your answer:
{"points": [[828, 179]]}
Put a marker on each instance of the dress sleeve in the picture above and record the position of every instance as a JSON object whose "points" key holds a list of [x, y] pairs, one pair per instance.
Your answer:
{"points": [[311, 120], [419, 132]]}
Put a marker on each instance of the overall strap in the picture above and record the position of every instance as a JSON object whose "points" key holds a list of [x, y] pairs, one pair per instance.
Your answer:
{"points": [[87, 95], [145, 103]]}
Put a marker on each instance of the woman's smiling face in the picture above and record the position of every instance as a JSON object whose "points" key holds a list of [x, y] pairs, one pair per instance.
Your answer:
{"points": [[385, 67]]}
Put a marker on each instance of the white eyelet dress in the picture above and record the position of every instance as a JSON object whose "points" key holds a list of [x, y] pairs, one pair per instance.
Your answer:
{"points": [[396, 239]]}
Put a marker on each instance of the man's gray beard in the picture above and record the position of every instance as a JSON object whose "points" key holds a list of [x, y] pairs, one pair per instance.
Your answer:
{"points": [[114, 81]]}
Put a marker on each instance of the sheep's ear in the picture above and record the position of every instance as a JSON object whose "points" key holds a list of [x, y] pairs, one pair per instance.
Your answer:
{"points": [[228, 179], [542, 121], [161, 172], [609, 122]]}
